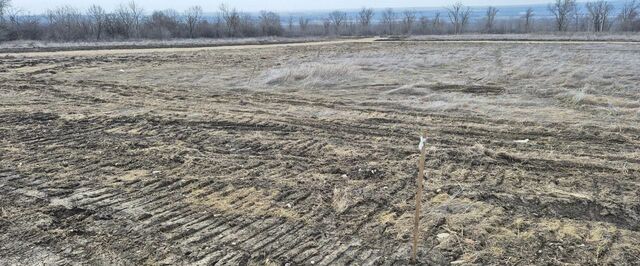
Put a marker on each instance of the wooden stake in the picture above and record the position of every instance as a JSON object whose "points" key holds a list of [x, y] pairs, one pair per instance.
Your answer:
{"points": [[419, 179]]}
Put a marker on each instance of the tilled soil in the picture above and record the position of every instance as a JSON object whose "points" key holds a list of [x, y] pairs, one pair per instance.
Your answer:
{"points": [[110, 170]]}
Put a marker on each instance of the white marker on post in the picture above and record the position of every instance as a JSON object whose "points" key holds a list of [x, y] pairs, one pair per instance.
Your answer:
{"points": [[416, 219]]}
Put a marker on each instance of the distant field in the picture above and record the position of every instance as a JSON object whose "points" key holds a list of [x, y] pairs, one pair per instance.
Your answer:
{"points": [[307, 153]]}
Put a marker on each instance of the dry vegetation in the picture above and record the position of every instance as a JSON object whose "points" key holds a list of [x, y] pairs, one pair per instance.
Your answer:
{"points": [[30, 46], [307, 154]]}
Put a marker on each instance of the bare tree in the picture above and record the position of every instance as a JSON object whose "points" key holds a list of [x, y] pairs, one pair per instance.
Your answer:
{"points": [[408, 19], [22, 25], [599, 13], [124, 20], [563, 10], [437, 23], [290, 22], [192, 16], [4, 7], [389, 20], [135, 12], [424, 24], [364, 19], [326, 26], [247, 27], [162, 24], [130, 16], [528, 19], [629, 14], [459, 17], [66, 23], [490, 18], [231, 18], [97, 15], [270, 24], [337, 18], [581, 20], [303, 23], [10, 24]]}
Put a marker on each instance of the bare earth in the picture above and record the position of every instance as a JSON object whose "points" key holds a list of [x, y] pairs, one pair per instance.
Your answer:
{"points": [[307, 154]]}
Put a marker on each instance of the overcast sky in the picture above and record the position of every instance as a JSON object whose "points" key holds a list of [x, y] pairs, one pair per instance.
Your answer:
{"points": [[38, 6]]}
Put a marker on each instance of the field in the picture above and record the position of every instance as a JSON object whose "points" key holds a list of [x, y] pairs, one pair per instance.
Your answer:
{"points": [[307, 154]]}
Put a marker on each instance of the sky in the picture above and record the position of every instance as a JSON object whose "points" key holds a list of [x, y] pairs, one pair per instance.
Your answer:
{"points": [[40, 6]]}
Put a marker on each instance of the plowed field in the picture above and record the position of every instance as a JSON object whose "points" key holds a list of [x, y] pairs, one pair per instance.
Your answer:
{"points": [[308, 154]]}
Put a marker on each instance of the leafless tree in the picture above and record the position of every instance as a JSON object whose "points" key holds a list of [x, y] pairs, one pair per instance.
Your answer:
{"points": [[23, 25], [303, 23], [130, 16], [389, 20], [290, 23], [490, 18], [247, 26], [364, 19], [97, 15], [4, 7], [231, 18], [193, 15], [137, 13], [162, 25], [528, 19], [13, 15], [326, 26], [122, 21], [10, 24], [629, 15], [66, 23], [437, 23], [408, 19], [337, 18], [424, 24], [459, 17], [270, 24], [563, 10], [580, 20], [599, 13]]}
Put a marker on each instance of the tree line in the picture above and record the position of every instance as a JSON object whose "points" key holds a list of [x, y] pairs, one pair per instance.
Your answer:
{"points": [[131, 21]]}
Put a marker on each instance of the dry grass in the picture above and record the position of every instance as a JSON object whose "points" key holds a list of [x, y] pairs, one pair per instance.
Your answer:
{"points": [[24, 45], [310, 75]]}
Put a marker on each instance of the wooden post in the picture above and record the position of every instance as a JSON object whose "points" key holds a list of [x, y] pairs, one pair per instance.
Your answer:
{"points": [[419, 181]]}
